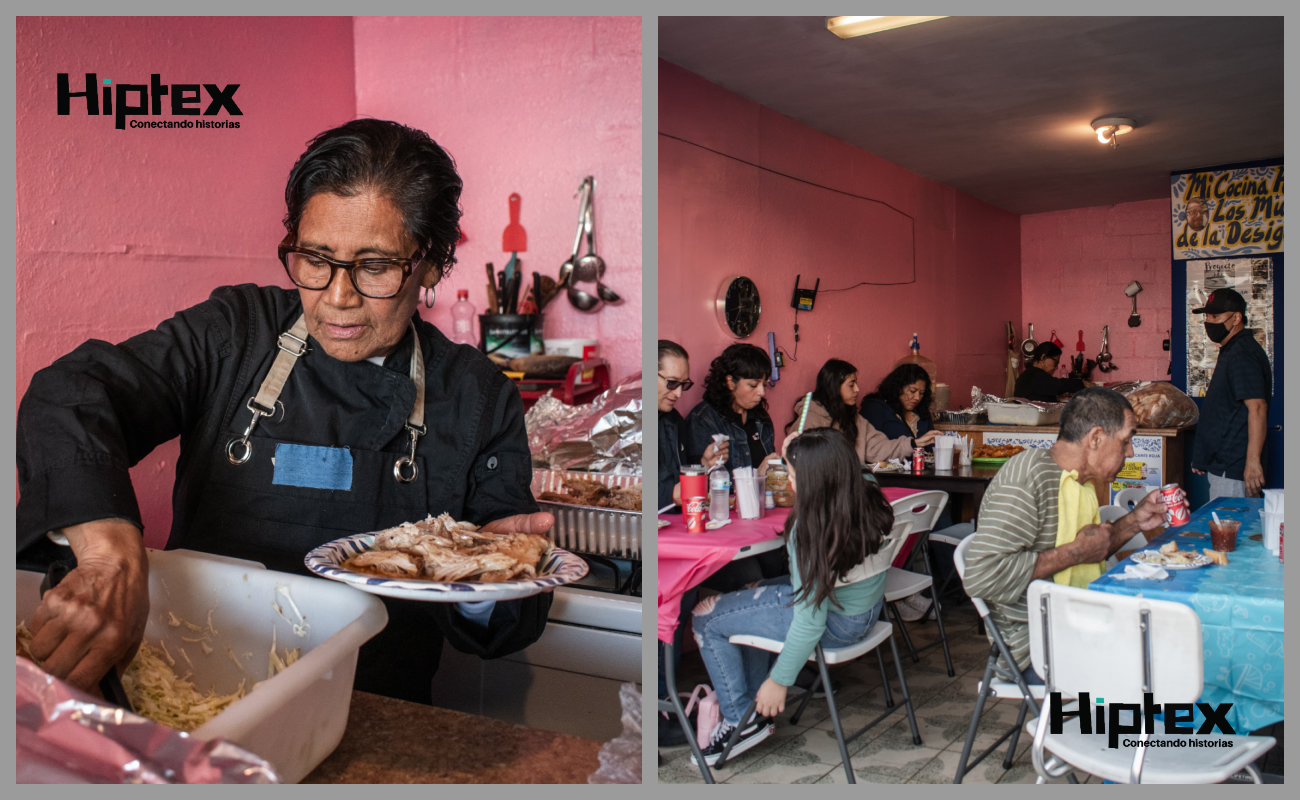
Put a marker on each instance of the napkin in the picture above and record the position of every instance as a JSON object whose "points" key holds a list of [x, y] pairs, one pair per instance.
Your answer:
{"points": [[1146, 572], [1271, 519]]}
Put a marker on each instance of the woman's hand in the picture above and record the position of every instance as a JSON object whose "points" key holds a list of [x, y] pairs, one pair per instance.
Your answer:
{"points": [[771, 698], [677, 494], [95, 618], [926, 439], [715, 454], [539, 524]]}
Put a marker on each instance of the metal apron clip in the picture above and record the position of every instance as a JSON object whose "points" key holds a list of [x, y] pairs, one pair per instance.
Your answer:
{"points": [[264, 404]]}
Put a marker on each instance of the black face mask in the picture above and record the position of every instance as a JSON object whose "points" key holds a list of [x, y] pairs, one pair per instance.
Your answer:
{"points": [[1217, 331]]}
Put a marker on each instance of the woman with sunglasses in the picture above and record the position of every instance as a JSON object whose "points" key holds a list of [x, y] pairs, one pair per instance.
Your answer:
{"points": [[674, 381], [304, 415]]}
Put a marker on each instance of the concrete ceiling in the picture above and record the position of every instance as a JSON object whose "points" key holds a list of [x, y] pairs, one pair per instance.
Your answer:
{"points": [[999, 107]]}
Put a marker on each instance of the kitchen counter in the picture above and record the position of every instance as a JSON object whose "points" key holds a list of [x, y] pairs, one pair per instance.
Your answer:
{"points": [[986, 428], [395, 741]]}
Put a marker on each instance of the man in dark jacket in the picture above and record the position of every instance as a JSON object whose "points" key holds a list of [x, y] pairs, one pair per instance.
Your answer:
{"points": [[674, 381], [1234, 415]]}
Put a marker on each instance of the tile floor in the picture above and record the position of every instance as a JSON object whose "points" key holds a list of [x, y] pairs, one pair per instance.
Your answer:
{"points": [[808, 753]]}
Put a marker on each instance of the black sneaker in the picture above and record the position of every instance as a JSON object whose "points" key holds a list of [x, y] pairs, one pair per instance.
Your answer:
{"points": [[758, 730]]}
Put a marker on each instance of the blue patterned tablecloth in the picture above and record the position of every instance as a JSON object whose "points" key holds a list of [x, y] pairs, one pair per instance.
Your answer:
{"points": [[1241, 611]]}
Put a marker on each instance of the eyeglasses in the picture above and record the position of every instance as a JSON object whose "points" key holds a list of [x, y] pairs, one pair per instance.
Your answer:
{"points": [[673, 385], [377, 278]]}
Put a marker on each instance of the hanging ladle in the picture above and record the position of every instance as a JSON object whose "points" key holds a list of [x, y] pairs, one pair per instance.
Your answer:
{"points": [[566, 269], [1103, 358], [592, 266]]}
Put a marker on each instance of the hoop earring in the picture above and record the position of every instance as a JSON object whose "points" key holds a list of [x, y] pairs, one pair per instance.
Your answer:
{"points": [[428, 297]]}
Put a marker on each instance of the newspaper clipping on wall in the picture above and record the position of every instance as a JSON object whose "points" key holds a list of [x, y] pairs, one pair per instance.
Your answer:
{"points": [[1253, 279]]}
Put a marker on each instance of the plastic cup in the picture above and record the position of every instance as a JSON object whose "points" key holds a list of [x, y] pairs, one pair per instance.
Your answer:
{"points": [[1223, 535], [943, 453]]}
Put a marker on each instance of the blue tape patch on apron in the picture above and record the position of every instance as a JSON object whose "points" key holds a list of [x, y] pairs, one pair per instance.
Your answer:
{"points": [[313, 467]]}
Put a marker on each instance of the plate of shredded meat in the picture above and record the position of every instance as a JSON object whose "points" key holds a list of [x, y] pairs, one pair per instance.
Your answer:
{"points": [[441, 560], [582, 492]]}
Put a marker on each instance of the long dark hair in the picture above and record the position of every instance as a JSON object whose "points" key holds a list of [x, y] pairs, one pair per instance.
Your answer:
{"points": [[402, 164], [739, 362], [891, 388], [842, 517], [830, 378]]}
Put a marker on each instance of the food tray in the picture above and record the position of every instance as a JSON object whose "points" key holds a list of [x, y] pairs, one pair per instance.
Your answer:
{"points": [[556, 569], [1021, 414], [295, 719], [990, 460], [590, 529]]}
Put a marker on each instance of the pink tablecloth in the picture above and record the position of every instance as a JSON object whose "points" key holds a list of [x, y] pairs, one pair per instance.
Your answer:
{"points": [[687, 559]]}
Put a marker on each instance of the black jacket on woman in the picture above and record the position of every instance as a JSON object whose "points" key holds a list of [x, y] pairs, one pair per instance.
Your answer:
{"points": [[86, 419], [1037, 385], [883, 419], [705, 420]]}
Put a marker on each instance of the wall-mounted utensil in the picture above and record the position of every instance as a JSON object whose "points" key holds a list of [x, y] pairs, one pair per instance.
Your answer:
{"points": [[1134, 319], [514, 239], [566, 269], [1028, 346], [1104, 362]]}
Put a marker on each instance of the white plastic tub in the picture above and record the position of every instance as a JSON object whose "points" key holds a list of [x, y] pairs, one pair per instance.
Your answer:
{"points": [[1021, 414], [295, 719]]}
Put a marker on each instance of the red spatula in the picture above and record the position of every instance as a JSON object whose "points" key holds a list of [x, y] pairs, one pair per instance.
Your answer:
{"points": [[515, 239]]}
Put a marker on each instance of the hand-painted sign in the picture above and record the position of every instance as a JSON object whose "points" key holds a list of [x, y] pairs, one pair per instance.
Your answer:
{"points": [[1231, 212]]}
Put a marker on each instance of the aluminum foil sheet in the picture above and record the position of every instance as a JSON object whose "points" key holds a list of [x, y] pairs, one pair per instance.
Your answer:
{"points": [[590, 529], [602, 436], [980, 402], [66, 736], [620, 759]]}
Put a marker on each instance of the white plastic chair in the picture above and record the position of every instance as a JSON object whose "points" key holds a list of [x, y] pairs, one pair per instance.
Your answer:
{"points": [[1127, 498], [993, 687], [921, 509], [1118, 648], [882, 632]]}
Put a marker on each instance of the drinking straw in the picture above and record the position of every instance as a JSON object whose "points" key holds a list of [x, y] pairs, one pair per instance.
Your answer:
{"points": [[803, 417], [1216, 518], [665, 508]]}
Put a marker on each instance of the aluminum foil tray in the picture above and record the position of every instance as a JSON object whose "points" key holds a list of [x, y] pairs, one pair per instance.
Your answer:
{"points": [[589, 529]]}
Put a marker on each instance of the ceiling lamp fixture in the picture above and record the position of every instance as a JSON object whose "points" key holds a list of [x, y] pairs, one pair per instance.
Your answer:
{"points": [[848, 27], [1109, 129]]}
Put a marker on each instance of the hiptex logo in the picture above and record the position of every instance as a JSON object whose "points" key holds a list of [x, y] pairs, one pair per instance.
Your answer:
{"points": [[1145, 714], [185, 101]]}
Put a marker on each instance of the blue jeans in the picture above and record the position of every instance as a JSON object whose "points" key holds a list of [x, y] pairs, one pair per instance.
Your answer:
{"points": [[768, 611]]}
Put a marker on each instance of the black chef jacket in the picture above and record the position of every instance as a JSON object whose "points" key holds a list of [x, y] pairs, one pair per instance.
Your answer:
{"points": [[1037, 385], [90, 416]]}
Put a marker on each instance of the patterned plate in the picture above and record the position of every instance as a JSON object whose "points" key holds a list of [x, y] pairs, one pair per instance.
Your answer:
{"points": [[1157, 559], [558, 568]]}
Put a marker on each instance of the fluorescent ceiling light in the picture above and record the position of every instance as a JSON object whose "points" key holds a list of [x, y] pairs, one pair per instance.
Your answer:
{"points": [[848, 27]]}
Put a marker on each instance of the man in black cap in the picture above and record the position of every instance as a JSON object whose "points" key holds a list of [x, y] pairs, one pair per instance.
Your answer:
{"points": [[1234, 414]]}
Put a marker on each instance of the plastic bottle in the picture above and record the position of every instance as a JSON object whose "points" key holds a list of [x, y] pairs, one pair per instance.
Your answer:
{"points": [[769, 502], [719, 495], [915, 357], [462, 316]]}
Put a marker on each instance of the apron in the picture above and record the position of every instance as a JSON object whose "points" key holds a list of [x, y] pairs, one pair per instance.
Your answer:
{"points": [[244, 513]]}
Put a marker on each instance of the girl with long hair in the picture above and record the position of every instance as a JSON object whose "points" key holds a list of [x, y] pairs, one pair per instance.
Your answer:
{"points": [[836, 538]]}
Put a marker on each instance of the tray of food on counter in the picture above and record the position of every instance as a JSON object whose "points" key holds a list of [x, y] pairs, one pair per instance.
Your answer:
{"points": [[594, 513]]}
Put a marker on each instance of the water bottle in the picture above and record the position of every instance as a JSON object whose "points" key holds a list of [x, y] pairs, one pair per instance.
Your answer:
{"points": [[462, 315], [719, 495]]}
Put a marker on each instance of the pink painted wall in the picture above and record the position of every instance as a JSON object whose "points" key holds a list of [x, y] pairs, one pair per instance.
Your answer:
{"points": [[1074, 267], [117, 230], [528, 105], [719, 217]]}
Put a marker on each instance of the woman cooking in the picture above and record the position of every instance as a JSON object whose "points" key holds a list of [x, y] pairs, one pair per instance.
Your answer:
{"points": [[305, 415], [733, 406], [900, 409], [1038, 383]]}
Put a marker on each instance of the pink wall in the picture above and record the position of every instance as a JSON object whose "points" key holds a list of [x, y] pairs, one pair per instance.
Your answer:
{"points": [[117, 230], [1074, 267], [719, 217], [527, 105]]}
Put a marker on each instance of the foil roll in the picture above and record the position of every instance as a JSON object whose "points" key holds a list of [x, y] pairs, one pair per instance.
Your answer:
{"points": [[601, 436], [67, 736]]}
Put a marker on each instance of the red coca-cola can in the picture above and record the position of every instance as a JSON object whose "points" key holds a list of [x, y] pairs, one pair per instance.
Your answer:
{"points": [[1177, 512], [918, 459], [695, 496]]}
